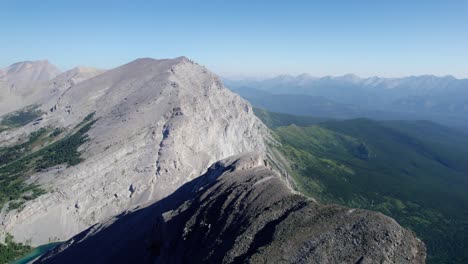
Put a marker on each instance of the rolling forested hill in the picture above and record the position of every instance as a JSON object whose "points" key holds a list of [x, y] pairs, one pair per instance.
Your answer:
{"points": [[414, 171]]}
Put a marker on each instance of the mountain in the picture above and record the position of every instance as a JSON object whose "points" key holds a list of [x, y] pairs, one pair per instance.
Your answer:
{"points": [[440, 99], [319, 106], [126, 142], [150, 119], [241, 211], [18, 81], [28, 83], [76, 75], [21, 75], [414, 171], [297, 104]]}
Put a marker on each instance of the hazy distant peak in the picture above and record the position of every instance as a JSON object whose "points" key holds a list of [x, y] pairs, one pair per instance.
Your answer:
{"points": [[20, 76], [182, 59], [84, 69], [350, 77], [147, 60], [304, 76], [41, 65], [449, 77], [22, 63], [284, 77], [77, 75]]}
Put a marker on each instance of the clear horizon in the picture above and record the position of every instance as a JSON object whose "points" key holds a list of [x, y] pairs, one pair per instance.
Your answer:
{"points": [[243, 38]]}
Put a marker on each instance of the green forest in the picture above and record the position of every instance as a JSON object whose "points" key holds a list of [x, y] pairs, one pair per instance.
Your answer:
{"points": [[19, 118], [11, 250], [43, 149], [413, 171]]}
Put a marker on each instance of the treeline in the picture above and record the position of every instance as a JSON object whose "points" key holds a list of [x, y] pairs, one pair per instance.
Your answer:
{"points": [[17, 161], [64, 151], [21, 117], [10, 154]]}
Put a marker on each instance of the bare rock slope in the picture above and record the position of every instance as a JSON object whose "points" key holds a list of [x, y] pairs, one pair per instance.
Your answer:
{"points": [[160, 123], [21, 83], [21, 75], [240, 211]]}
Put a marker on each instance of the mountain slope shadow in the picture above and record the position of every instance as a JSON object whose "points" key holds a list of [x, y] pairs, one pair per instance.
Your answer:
{"points": [[241, 211]]}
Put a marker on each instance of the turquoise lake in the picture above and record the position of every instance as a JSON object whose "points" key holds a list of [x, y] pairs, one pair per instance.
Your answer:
{"points": [[36, 252]]}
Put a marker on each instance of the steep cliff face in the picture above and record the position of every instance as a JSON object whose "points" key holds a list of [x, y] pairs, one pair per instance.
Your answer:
{"points": [[241, 211], [159, 124]]}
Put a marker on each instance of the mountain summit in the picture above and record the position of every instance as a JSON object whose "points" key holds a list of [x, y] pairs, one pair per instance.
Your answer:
{"points": [[22, 74], [20, 83]]}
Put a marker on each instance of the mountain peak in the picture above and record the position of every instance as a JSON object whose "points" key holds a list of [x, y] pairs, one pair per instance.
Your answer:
{"points": [[350, 77], [27, 72], [147, 60], [83, 69], [76, 75], [25, 65], [21, 83], [159, 123]]}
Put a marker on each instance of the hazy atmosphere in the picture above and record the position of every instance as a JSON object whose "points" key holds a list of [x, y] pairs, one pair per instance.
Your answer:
{"points": [[247, 38]]}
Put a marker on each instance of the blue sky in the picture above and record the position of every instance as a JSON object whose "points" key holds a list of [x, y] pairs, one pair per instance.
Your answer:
{"points": [[384, 38]]}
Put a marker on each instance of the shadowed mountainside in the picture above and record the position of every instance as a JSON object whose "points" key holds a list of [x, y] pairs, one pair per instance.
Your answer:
{"points": [[241, 211]]}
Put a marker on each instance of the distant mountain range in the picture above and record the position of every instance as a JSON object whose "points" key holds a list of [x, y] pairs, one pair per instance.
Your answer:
{"points": [[440, 99]]}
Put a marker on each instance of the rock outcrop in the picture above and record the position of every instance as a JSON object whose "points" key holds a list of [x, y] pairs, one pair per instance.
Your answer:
{"points": [[241, 211]]}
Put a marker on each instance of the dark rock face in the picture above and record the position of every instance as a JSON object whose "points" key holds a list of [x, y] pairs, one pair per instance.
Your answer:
{"points": [[241, 211]]}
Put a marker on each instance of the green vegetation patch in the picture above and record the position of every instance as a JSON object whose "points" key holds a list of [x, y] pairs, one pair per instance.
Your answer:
{"points": [[415, 172], [43, 149], [275, 120], [10, 250], [20, 117]]}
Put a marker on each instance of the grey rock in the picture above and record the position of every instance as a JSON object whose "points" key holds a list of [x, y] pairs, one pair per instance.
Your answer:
{"points": [[150, 135], [240, 211]]}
